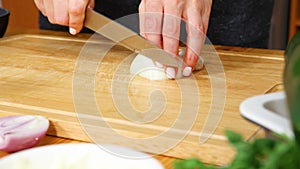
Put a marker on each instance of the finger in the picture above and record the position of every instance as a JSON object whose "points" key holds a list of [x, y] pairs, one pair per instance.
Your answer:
{"points": [[40, 5], [171, 26], [151, 20], [76, 15], [60, 12], [206, 14], [91, 4], [171, 72], [49, 10], [195, 38]]}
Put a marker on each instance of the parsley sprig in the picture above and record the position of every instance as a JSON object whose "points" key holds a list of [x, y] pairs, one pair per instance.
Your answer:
{"points": [[260, 153]]}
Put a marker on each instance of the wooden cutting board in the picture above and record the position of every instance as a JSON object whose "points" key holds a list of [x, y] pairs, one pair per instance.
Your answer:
{"points": [[49, 75]]}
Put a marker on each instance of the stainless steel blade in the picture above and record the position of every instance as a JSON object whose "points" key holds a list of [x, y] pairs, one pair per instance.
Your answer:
{"points": [[127, 38]]}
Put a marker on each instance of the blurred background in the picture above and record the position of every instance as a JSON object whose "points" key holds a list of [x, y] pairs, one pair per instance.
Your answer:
{"points": [[285, 21]]}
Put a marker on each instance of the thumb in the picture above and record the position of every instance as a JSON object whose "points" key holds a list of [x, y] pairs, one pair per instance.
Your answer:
{"points": [[76, 15]]}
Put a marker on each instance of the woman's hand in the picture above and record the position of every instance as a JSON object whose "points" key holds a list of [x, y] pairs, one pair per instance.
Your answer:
{"points": [[160, 23], [65, 12]]}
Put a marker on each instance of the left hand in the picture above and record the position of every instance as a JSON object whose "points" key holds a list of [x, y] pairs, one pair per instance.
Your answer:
{"points": [[160, 23]]}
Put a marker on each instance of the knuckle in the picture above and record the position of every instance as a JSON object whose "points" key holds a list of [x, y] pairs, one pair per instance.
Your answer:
{"points": [[77, 9], [153, 5], [196, 30], [171, 26], [205, 27], [192, 57], [199, 28], [61, 20], [174, 2], [152, 24], [75, 25], [175, 5], [171, 31]]}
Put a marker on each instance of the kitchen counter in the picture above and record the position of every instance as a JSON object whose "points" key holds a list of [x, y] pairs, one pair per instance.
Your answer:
{"points": [[38, 76]]}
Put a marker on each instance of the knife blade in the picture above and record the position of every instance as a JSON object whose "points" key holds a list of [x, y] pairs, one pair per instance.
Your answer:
{"points": [[127, 38]]}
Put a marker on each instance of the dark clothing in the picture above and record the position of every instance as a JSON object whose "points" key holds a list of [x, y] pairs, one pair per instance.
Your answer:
{"points": [[244, 23]]}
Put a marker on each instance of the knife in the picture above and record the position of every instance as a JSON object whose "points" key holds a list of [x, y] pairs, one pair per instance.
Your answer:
{"points": [[127, 38]]}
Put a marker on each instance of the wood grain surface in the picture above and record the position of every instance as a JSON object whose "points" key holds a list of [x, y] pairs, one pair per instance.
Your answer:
{"points": [[38, 73]]}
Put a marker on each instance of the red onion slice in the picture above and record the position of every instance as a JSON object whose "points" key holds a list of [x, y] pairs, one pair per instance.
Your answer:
{"points": [[21, 132]]}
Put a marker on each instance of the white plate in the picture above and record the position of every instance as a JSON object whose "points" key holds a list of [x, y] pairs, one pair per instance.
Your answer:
{"points": [[79, 156], [269, 111]]}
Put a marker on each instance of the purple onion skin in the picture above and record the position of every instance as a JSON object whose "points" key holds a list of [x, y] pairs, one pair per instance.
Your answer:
{"points": [[21, 132]]}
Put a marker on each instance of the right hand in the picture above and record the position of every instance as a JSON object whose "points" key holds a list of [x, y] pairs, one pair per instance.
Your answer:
{"points": [[69, 13]]}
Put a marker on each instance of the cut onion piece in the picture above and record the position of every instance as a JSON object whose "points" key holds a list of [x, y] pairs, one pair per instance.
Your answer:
{"points": [[21, 132], [145, 67]]}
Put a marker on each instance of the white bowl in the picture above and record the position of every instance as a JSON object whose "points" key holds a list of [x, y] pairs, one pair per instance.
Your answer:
{"points": [[269, 111], [79, 156]]}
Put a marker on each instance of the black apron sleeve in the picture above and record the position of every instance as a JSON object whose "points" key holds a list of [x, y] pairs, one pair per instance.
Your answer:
{"points": [[244, 23]]}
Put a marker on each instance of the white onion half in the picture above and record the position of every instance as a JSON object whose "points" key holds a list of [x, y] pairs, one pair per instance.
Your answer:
{"points": [[21, 132], [145, 67]]}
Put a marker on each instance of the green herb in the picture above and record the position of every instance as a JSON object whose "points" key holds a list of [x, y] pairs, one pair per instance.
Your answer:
{"points": [[292, 83], [261, 153]]}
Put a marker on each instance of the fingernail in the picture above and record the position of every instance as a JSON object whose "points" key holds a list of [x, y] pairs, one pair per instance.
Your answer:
{"points": [[159, 65], [72, 31], [170, 73], [187, 71]]}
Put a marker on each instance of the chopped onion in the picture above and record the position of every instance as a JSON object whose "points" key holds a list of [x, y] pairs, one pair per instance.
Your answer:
{"points": [[21, 132]]}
